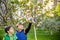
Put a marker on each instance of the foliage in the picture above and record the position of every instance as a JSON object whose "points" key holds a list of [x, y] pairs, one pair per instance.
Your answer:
{"points": [[46, 21]]}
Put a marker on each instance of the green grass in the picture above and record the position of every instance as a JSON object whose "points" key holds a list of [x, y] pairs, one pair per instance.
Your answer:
{"points": [[1, 34], [41, 35]]}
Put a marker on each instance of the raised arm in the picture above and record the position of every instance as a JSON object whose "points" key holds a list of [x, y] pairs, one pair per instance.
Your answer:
{"points": [[28, 28]]}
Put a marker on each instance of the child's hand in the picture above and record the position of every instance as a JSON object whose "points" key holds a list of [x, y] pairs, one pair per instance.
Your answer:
{"points": [[30, 19]]}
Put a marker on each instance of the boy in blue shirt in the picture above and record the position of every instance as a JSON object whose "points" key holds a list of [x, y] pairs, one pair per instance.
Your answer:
{"points": [[21, 33]]}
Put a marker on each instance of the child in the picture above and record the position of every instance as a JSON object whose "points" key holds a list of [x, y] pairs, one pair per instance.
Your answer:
{"points": [[21, 33], [9, 33]]}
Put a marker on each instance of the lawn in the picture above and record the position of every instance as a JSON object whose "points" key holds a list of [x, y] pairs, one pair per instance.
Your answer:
{"points": [[41, 35], [1, 34]]}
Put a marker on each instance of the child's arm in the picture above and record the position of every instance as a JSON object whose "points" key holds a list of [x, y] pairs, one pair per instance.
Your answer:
{"points": [[28, 28], [3, 38]]}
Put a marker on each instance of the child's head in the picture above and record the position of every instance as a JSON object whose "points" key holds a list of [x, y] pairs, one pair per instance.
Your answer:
{"points": [[20, 26], [9, 29], [28, 14]]}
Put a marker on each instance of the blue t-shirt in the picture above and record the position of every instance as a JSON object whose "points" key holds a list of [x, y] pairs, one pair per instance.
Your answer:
{"points": [[21, 35]]}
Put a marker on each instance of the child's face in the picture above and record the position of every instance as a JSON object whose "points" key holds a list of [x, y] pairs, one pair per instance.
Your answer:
{"points": [[28, 14], [20, 27], [11, 30]]}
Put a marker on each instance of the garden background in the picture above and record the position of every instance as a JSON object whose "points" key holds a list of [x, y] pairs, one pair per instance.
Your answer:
{"points": [[44, 15]]}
